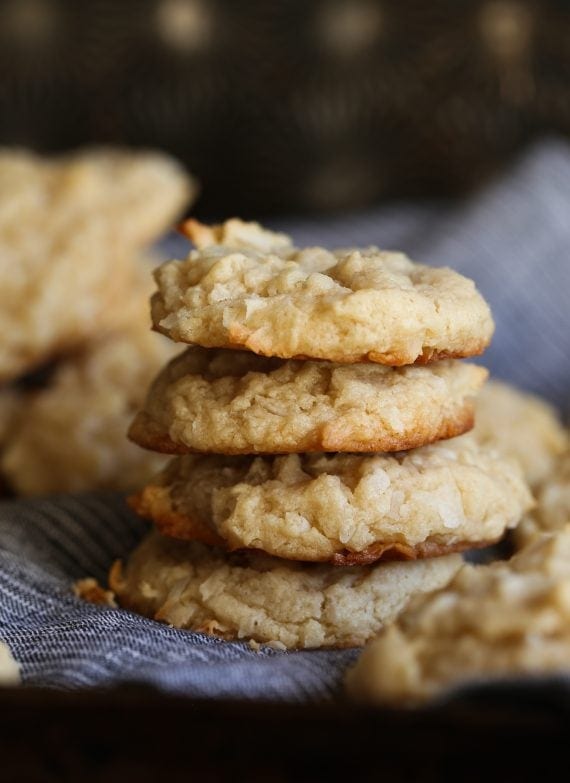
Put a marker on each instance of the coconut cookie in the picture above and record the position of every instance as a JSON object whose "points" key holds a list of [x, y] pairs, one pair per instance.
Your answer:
{"points": [[71, 436], [10, 408], [9, 668], [254, 596], [552, 510], [553, 507], [522, 426], [342, 508], [68, 229], [235, 402], [491, 622], [245, 287]]}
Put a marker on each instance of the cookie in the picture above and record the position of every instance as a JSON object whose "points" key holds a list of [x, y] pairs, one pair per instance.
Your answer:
{"points": [[68, 230], [553, 507], [491, 622], [9, 668], [342, 508], [235, 402], [71, 436], [552, 510], [10, 407], [522, 426], [245, 287], [256, 597]]}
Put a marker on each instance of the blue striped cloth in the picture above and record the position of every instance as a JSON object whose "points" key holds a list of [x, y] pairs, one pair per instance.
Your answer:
{"points": [[513, 238]]}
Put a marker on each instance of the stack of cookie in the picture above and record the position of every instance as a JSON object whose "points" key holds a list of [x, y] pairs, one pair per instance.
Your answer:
{"points": [[318, 420]]}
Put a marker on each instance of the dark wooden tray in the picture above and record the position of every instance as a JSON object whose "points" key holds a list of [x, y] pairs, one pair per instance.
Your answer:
{"points": [[138, 734]]}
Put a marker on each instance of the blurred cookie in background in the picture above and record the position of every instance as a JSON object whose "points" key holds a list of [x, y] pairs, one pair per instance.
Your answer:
{"points": [[522, 426], [527, 428], [71, 435], [69, 227], [74, 232], [10, 403], [490, 624], [552, 509]]}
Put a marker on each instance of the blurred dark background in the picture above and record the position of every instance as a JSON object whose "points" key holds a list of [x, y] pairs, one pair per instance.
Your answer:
{"points": [[291, 106]]}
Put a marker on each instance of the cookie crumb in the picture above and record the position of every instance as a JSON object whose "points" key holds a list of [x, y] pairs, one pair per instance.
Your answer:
{"points": [[90, 590], [276, 645], [9, 668], [212, 628]]}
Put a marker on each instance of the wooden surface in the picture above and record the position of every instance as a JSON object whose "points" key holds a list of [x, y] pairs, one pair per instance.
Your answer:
{"points": [[141, 735]]}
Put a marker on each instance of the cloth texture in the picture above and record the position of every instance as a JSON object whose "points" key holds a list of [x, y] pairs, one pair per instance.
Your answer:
{"points": [[512, 238]]}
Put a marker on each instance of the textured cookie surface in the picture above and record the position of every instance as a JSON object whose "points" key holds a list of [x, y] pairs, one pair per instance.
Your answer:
{"points": [[232, 402], [71, 436], [247, 287], [343, 508], [552, 509], [253, 596], [68, 229], [520, 425], [496, 621]]}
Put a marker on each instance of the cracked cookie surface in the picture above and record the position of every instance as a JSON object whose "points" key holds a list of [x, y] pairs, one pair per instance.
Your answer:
{"points": [[342, 508], [246, 287], [235, 402], [256, 597]]}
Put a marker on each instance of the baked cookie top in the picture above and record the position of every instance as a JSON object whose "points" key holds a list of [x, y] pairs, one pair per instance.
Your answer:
{"points": [[343, 508], [69, 228], [236, 402], [253, 596], [522, 426], [246, 287], [491, 622]]}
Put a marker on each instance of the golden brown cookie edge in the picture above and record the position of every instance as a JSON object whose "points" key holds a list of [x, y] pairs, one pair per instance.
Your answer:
{"points": [[154, 503], [147, 433]]}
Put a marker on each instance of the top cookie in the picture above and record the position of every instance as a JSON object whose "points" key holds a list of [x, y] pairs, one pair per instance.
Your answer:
{"points": [[246, 287]]}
